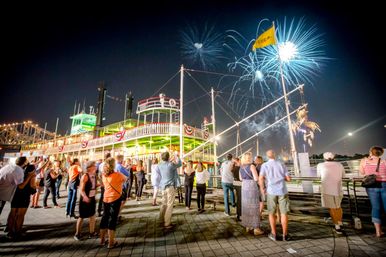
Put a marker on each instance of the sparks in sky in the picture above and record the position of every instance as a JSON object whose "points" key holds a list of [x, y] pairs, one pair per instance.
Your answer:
{"points": [[202, 48], [298, 52], [299, 49]]}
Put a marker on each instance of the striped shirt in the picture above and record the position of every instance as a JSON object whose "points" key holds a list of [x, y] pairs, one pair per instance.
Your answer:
{"points": [[370, 165]]}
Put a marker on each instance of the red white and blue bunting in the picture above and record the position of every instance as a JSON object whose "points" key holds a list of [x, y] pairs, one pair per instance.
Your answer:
{"points": [[119, 135], [188, 130]]}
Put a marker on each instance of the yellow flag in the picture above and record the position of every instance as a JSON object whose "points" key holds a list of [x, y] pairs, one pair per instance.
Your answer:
{"points": [[265, 39]]}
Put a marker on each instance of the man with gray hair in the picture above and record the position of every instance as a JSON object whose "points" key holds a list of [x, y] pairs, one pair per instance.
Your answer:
{"points": [[331, 174], [275, 174]]}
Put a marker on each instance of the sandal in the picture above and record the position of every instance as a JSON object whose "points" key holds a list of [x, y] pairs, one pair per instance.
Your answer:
{"points": [[104, 242], [116, 244]]}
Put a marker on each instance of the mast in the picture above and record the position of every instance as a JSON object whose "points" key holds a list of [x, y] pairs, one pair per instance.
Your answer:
{"points": [[214, 133], [181, 112]]}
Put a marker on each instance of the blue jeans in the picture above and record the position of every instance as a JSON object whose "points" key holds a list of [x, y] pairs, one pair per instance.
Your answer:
{"points": [[228, 187], [71, 200], [57, 185], [377, 198]]}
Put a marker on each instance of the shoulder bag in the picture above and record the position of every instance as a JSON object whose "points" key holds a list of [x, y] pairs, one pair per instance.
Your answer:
{"points": [[370, 181]]}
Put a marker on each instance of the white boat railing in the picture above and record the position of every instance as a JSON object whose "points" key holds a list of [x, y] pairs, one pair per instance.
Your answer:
{"points": [[153, 129]]}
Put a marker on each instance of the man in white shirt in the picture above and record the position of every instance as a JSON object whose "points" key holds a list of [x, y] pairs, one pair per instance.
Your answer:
{"points": [[331, 174], [227, 183], [275, 174]]}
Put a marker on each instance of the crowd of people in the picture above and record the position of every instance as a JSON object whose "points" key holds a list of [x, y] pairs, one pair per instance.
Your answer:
{"points": [[248, 184]]}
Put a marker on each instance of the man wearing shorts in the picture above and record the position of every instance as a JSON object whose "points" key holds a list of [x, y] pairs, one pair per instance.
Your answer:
{"points": [[275, 174], [331, 174]]}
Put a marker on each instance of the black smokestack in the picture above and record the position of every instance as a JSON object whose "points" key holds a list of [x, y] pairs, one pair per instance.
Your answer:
{"points": [[100, 106]]}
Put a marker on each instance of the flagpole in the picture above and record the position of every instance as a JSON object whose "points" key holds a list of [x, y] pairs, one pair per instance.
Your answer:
{"points": [[291, 135]]}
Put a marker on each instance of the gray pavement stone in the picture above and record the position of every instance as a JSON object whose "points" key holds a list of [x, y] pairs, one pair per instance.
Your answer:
{"points": [[49, 233]]}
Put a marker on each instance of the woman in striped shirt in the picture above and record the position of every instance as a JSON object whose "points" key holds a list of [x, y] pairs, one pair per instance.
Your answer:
{"points": [[377, 195]]}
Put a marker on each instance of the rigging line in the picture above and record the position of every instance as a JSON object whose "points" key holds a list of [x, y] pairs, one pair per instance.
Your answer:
{"points": [[202, 87], [252, 97], [222, 108], [214, 73], [198, 83], [221, 98], [157, 91], [194, 99]]}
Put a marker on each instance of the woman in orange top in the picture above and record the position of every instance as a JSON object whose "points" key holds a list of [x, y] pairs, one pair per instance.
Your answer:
{"points": [[113, 182]]}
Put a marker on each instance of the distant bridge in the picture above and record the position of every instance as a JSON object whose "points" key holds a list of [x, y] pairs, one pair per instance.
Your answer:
{"points": [[22, 133]]}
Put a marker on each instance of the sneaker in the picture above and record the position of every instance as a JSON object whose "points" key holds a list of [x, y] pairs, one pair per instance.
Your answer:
{"points": [[287, 237], [272, 236], [93, 235], [226, 214], [339, 230], [77, 237]]}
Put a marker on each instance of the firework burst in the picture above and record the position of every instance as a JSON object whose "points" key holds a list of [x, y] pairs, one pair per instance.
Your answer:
{"points": [[298, 50], [202, 48]]}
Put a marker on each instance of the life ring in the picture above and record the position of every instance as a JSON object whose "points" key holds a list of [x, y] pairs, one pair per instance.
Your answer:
{"points": [[172, 102]]}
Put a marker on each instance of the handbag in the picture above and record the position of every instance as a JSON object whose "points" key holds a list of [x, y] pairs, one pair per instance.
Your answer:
{"points": [[32, 191], [370, 181]]}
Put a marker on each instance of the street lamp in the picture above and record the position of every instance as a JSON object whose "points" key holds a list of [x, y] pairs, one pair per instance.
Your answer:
{"points": [[349, 134]]}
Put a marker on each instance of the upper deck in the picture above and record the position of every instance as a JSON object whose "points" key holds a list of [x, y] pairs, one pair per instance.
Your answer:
{"points": [[159, 103], [143, 132]]}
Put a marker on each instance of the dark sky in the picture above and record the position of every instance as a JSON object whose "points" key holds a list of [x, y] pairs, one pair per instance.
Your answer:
{"points": [[56, 54]]}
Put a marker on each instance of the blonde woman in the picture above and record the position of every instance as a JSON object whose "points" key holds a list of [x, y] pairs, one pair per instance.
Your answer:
{"points": [[202, 177], [42, 166], [250, 195], [113, 183]]}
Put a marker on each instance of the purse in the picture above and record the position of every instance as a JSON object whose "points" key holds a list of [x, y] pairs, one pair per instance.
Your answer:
{"points": [[370, 181]]}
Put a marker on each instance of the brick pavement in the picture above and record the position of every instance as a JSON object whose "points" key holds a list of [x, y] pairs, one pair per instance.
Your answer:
{"points": [[49, 233]]}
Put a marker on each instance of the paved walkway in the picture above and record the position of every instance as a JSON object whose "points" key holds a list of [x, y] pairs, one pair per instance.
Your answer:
{"points": [[211, 233]]}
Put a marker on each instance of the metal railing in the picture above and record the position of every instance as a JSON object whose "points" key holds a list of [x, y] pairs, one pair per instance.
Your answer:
{"points": [[153, 129]]}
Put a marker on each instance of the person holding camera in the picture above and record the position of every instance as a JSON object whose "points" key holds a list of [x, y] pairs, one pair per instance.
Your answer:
{"points": [[168, 184]]}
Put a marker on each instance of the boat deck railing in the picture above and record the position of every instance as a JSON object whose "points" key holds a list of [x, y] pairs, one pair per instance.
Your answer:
{"points": [[145, 130]]}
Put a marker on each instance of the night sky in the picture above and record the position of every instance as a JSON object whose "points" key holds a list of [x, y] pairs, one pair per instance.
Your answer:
{"points": [[55, 55]]}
